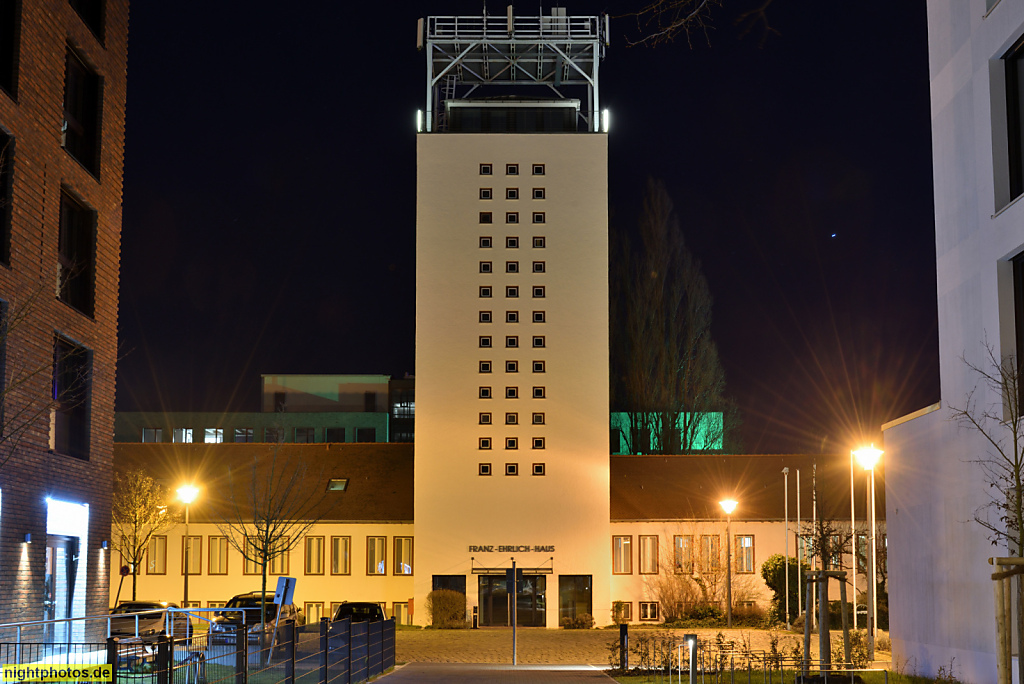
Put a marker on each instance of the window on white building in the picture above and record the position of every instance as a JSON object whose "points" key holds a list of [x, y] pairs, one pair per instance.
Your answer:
{"points": [[314, 554], [744, 553], [648, 554], [341, 555], [622, 555], [403, 556], [376, 555]]}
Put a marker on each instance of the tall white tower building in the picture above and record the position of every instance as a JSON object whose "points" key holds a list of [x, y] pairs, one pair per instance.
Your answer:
{"points": [[512, 455]]}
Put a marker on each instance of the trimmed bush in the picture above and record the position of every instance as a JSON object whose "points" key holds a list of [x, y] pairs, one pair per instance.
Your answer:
{"points": [[447, 609], [584, 621]]}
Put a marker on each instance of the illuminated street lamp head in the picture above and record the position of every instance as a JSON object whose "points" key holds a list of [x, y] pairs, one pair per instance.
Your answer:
{"points": [[728, 506], [868, 456], [187, 494]]}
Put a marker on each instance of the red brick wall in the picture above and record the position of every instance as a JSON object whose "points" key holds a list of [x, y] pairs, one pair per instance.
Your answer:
{"points": [[41, 167]]}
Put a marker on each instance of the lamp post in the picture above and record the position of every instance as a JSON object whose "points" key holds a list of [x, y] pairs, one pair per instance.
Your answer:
{"points": [[187, 494], [853, 542], [868, 458], [728, 505], [785, 477]]}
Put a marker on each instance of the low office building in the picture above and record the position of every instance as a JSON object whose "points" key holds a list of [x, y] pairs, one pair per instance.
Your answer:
{"points": [[666, 545]]}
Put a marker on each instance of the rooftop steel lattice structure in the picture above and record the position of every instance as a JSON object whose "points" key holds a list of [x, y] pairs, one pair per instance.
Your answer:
{"points": [[467, 52]]}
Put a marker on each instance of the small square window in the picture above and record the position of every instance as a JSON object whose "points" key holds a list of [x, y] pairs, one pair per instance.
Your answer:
{"points": [[511, 341], [512, 291], [485, 392], [538, 341], [512, 193], [485, 316], [511, 169], [538, 316], [538, 442], [511, 366], [512, 243], [485, 242], [538, 392], [538, 367], [538, 193], [511, 392], [486, 217], [538, 469], [538, 292], [539, 242], [511, 468], [538, 266], [511, 217], [484, 469], [511, 443], [511, 267], [486, 169], [485, 366], [485, 418], [511, 316], [486, 193], [485, 291], [485, 341], [538, 169], [539, 217], [511, 419], [538, 418], [485, 443], [485, 266]]}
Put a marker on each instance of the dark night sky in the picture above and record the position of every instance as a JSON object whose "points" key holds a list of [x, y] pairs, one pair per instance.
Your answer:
{"points": [[269, 211]]}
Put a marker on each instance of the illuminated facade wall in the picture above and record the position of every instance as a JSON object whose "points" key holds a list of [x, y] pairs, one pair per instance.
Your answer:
{"points": [[563, 402], [62, 115]]}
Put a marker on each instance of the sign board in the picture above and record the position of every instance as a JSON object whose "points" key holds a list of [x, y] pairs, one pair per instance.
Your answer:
{"points": [[285, 591]]}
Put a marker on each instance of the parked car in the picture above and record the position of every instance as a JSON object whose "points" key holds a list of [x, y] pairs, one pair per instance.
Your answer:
{"points": [[225, 622], [359, 611], [152, 620]]}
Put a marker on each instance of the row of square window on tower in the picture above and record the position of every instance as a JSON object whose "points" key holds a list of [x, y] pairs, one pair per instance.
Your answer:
{"points": [[513, 194], [512, 341], [512, 443], [513, 366], [487, 169], [512, 291], [512, 216], [512, 317], [512, 267], [511, 469], [512, 242], [512, 393]]}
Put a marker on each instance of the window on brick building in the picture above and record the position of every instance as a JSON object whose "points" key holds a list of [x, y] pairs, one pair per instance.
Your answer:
{"points": [[9, 45], [6, 164], [69, 425], [91, 12], [76, 254], [80, 134]]}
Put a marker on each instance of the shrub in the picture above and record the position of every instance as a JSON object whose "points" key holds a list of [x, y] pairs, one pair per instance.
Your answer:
{"points": [[584, 621], [447, 609], [619, 612]]}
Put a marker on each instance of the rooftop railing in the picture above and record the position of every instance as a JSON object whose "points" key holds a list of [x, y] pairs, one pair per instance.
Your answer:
{"points": [[525, 28]]}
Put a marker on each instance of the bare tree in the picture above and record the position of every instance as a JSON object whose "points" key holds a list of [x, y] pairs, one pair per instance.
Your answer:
{"points": [[662, 21], [269, 509], [139, 512], [671, 381], [993, 409]]}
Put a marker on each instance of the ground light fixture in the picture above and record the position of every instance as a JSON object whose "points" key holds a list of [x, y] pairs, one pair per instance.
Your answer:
{"points": [[868, 458], [728, 505], [187, 494]]}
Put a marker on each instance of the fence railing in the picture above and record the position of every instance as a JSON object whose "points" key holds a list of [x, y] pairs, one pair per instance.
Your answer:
{"points": [[328, 652]]}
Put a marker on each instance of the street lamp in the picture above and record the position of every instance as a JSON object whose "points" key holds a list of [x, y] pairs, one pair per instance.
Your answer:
{"points": [[868, 458], [187, 494], [728, 505], [785, 473]]}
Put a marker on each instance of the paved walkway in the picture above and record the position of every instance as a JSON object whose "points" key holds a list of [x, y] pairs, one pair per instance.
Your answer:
{"points": [[429, 673]]}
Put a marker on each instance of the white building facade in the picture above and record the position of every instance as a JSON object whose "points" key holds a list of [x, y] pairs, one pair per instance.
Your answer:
{"points": [[942, 596]]}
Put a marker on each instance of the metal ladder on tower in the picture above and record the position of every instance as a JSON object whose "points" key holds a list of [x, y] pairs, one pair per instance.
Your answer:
{"points": [[447, 93]]}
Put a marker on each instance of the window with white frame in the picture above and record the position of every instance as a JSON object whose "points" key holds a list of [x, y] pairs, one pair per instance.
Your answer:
{"points": [[213, 435], [710, 554], [744, 553], [251, 566], [218, 556], [314, 611], [376, 556], [152, 435], [403, 556], [181, 435], [192, 555], [314, 556], [683, 549], [156, 555], [648, 554], [279, 562], [649, 610], [622, 555], [341, 555]]}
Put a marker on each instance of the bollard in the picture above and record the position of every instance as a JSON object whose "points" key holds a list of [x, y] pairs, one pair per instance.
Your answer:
{"points": [[324, 645], [289, 660], [163, 660], [241, 655], [112, 653], [624, 647]]}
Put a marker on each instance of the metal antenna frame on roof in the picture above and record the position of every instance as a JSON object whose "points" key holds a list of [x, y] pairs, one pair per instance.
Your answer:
{"points": [[474, 51]]}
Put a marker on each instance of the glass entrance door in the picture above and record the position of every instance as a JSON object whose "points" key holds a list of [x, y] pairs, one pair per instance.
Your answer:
{"points": [[494, 601], [59, 585]]}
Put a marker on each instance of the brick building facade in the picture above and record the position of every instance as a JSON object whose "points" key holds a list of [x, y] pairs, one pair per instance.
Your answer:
{"points": [[62, 109]]}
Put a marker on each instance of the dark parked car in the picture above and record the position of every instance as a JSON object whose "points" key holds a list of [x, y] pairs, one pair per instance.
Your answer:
{"points": [[147, 618], [359, 611], [225, 622]]}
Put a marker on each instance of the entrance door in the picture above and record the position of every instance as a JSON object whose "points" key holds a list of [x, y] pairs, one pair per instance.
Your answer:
{"points": [[494, 601], [59, 585]]}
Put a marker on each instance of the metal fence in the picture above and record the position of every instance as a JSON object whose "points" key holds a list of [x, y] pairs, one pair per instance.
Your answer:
{"points": [[328, 652]]}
